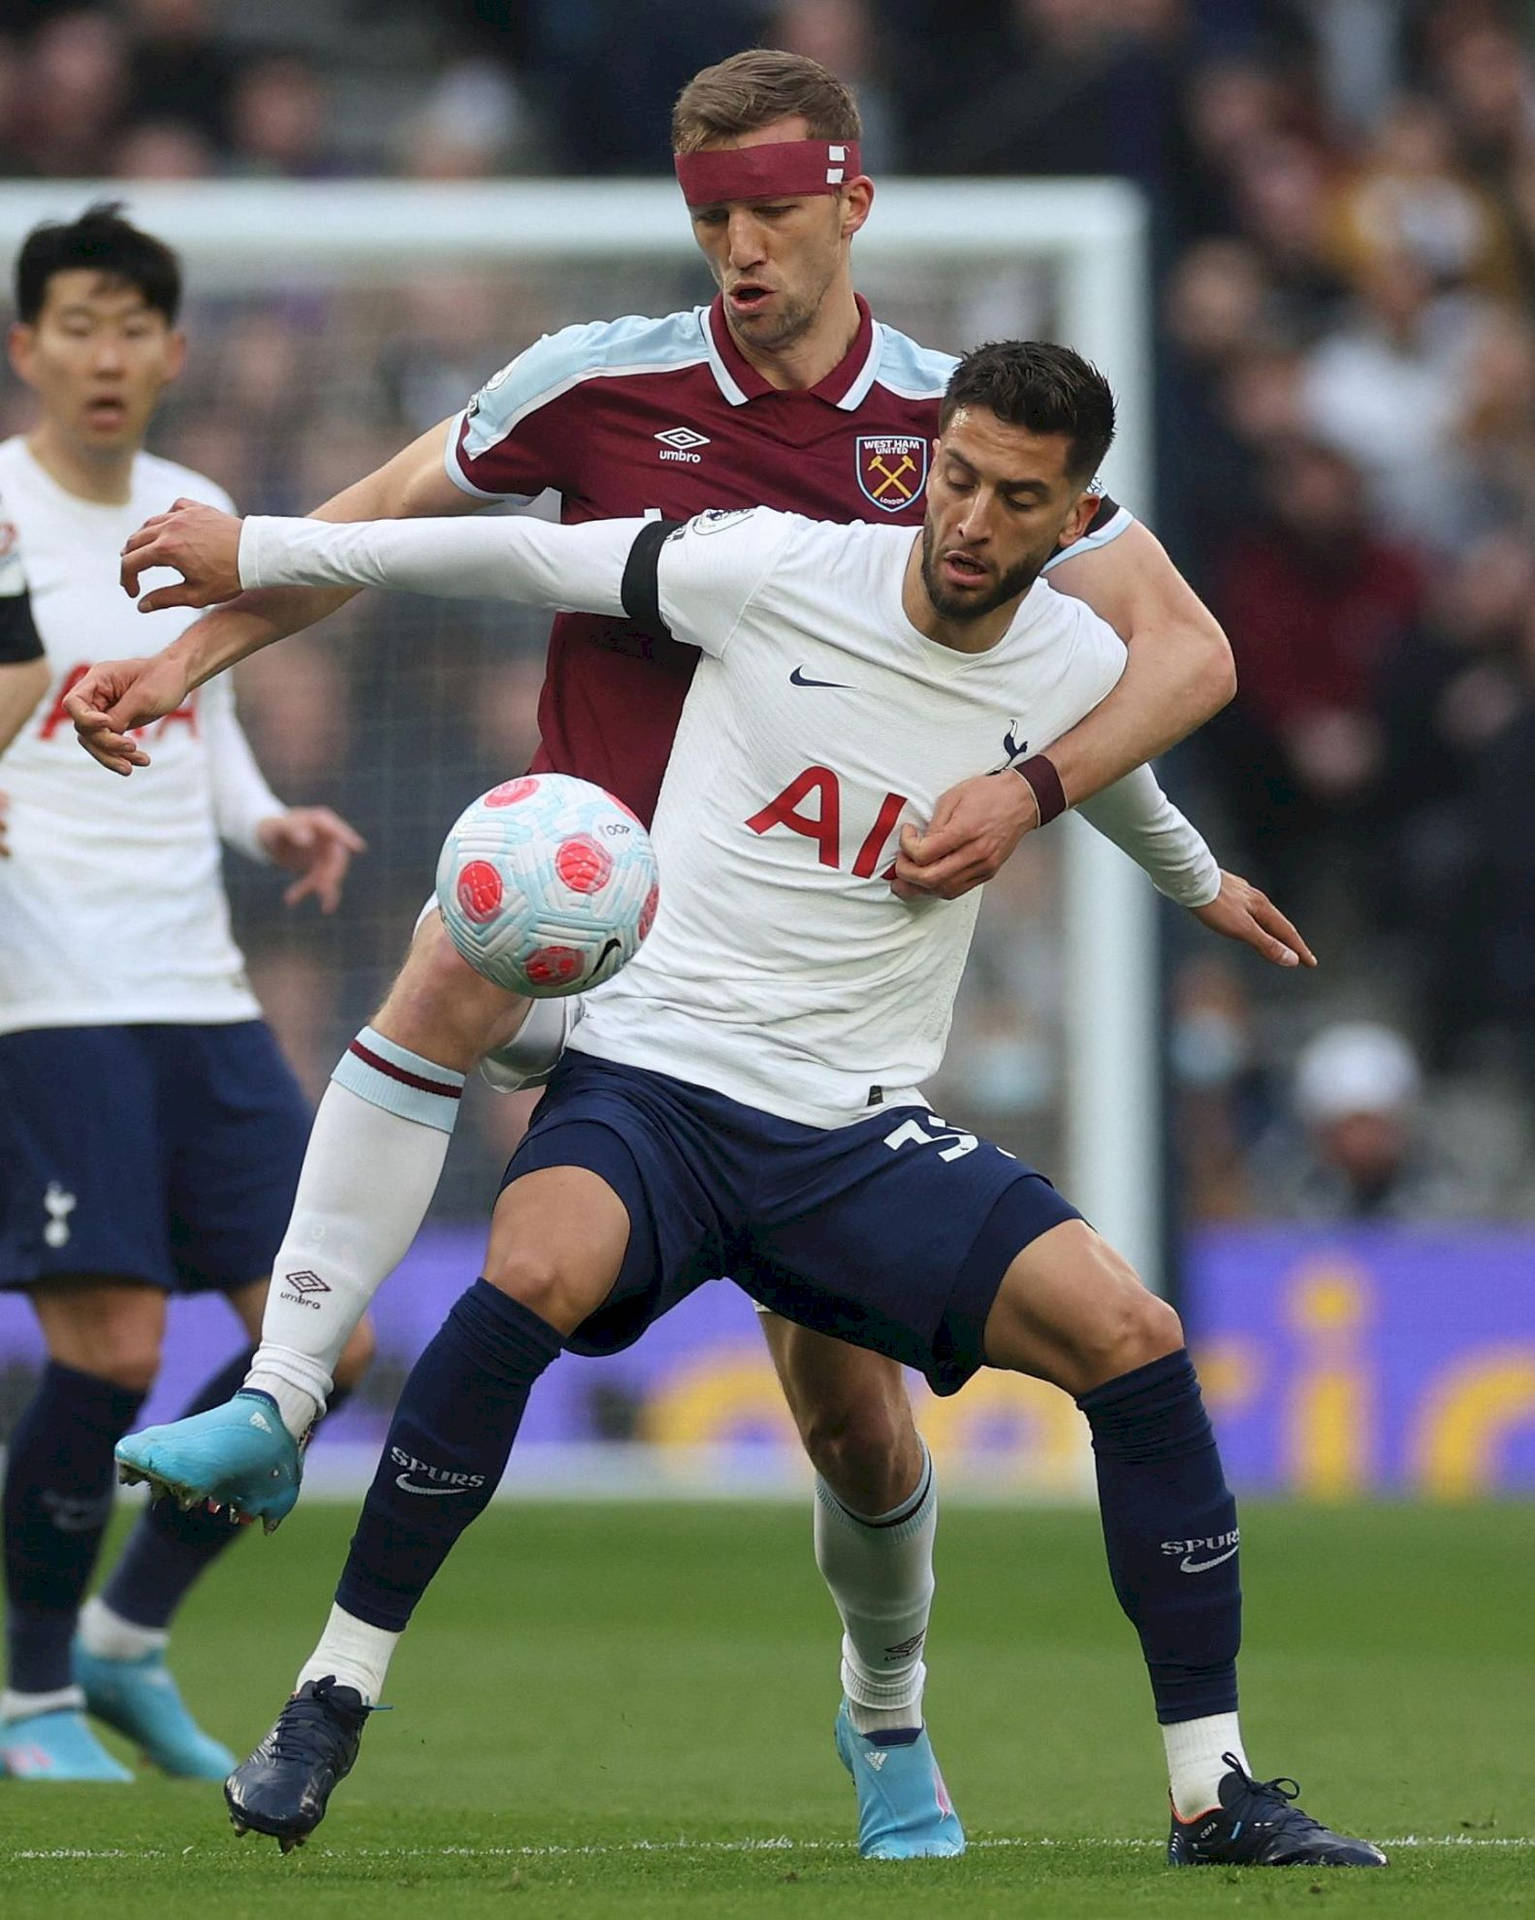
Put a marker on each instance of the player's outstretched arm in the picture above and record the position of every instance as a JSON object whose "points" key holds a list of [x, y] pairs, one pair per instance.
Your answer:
{"points": [[1179, 673], [119, 695]]}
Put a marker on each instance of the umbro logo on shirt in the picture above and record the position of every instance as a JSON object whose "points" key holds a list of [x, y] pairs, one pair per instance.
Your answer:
{"points": [[678, 443]]}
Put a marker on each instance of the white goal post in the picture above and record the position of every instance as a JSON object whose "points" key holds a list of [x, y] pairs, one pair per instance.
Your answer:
{"points": [[238, 235]]}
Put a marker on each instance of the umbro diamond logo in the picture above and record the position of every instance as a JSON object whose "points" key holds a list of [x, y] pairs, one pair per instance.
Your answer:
{"points": [[799, 678], [679, 443], [297, 1287]]}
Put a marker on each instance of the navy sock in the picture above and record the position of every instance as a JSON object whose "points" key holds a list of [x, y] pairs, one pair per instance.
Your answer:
{"points": [[1170, 1526], [58, 1498], [446, 1450], [169, 1549]]}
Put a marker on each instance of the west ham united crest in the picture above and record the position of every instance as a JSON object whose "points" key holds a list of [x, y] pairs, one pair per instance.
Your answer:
{"points": [[892, 468]]}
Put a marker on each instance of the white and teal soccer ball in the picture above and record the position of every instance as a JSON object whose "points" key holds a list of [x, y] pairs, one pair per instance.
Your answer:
{"points": [[547, 885]]}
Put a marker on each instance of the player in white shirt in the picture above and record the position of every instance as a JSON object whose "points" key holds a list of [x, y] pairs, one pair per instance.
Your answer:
{"points": [[743, 1099], [802, 401], [150, 1131]]}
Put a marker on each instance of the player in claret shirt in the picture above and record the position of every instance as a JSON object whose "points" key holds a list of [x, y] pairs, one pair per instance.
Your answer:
{"points": [[150, 1131], [745, 1097], [784, 391]]}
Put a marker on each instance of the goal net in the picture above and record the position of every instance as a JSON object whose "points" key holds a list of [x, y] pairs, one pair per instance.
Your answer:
{"points": [[328, 325]]}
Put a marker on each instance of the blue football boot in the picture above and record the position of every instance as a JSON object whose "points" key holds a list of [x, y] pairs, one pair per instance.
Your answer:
{"points": [[904, 1811], [1258, 1824], [140, 1699], [54, 1747], [239, 1457]]}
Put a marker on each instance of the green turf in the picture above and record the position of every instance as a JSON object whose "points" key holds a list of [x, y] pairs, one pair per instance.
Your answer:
{"points": [[600, 1709]]}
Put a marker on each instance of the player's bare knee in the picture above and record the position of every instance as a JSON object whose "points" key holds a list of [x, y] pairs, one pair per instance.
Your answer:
{"points": [[356, 1355], [440, 1007], [112, 1332], [866, 1451], [540, 1281], [1130, 1328]]}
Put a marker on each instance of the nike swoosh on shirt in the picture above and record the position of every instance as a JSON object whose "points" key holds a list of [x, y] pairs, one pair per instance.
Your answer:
{"points": [[1189, 1565], [797, 679]]}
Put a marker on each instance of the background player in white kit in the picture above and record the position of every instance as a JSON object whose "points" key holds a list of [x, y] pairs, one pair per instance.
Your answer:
{"points": [[150, 1131], [745, 1096]]}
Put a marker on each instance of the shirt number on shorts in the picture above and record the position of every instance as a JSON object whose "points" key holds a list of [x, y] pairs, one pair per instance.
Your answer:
{"points": [[914, 1133]]}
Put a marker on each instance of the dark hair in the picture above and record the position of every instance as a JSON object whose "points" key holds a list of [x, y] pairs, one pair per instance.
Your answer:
{"points": [[753, 89], [100, 241], [1043, 387]]}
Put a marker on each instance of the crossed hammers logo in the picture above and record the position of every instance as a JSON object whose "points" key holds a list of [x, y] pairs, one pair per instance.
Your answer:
{"points": [[891, 478]]}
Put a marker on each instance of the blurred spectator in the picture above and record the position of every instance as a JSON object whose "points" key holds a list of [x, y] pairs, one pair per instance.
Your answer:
{"points": [[162, 150], [1315, 603], [1217, 305], [1486, 77], [1389, 390], [1411, 199], [1444, 700], [472, 124], [1219, 1088], [279, 121], [1044, 87], [1282, 187], [1361, 1151], [608, 83], [77, 86], [842, 35], [181, 67]]}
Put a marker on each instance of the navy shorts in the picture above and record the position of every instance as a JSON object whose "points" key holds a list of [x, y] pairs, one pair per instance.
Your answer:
{"points": [[167, 1154], [893, 1233]]}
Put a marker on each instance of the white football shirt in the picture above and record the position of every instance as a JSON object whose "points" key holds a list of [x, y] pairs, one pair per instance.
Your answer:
{"points": [[781, 970], [112, 906]]}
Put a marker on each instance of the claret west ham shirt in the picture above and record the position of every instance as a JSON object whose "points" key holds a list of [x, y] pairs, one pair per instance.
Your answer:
{"points": [[665, 417]]}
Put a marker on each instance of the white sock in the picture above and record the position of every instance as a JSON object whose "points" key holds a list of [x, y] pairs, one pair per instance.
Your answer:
{"points": [[880, 1571], [1195, 1767], [110, 1637], [374, 1158], [22, 1706], [357, 1654]]}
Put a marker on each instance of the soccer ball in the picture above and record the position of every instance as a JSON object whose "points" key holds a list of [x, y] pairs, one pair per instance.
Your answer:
{"points": [[547, 885]]}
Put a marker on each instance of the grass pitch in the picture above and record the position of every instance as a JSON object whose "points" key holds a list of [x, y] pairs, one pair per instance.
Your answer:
{"points": [[606, 1711]]}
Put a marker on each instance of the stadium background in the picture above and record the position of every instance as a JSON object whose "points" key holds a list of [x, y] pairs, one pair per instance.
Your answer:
{"points": [[1342, 198]]}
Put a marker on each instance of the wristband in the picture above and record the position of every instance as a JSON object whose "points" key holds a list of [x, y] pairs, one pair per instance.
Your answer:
{"points": [[1045, 784]]}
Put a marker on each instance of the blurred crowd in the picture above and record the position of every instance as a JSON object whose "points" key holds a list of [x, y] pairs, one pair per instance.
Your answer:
{"points": [[1344, 239]]}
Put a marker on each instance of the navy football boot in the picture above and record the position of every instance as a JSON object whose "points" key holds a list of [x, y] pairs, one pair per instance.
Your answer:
{"points": [[283, 1788], [1258, 1824]]}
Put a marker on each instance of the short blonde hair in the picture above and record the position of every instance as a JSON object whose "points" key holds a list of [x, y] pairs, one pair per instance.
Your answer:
{"points": [[753, 89]]}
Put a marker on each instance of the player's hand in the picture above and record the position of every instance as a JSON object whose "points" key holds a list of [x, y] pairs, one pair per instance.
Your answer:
{"points": [[974, 828], [202, 544], [317, 845], [1241, 912], [117, 695]]}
